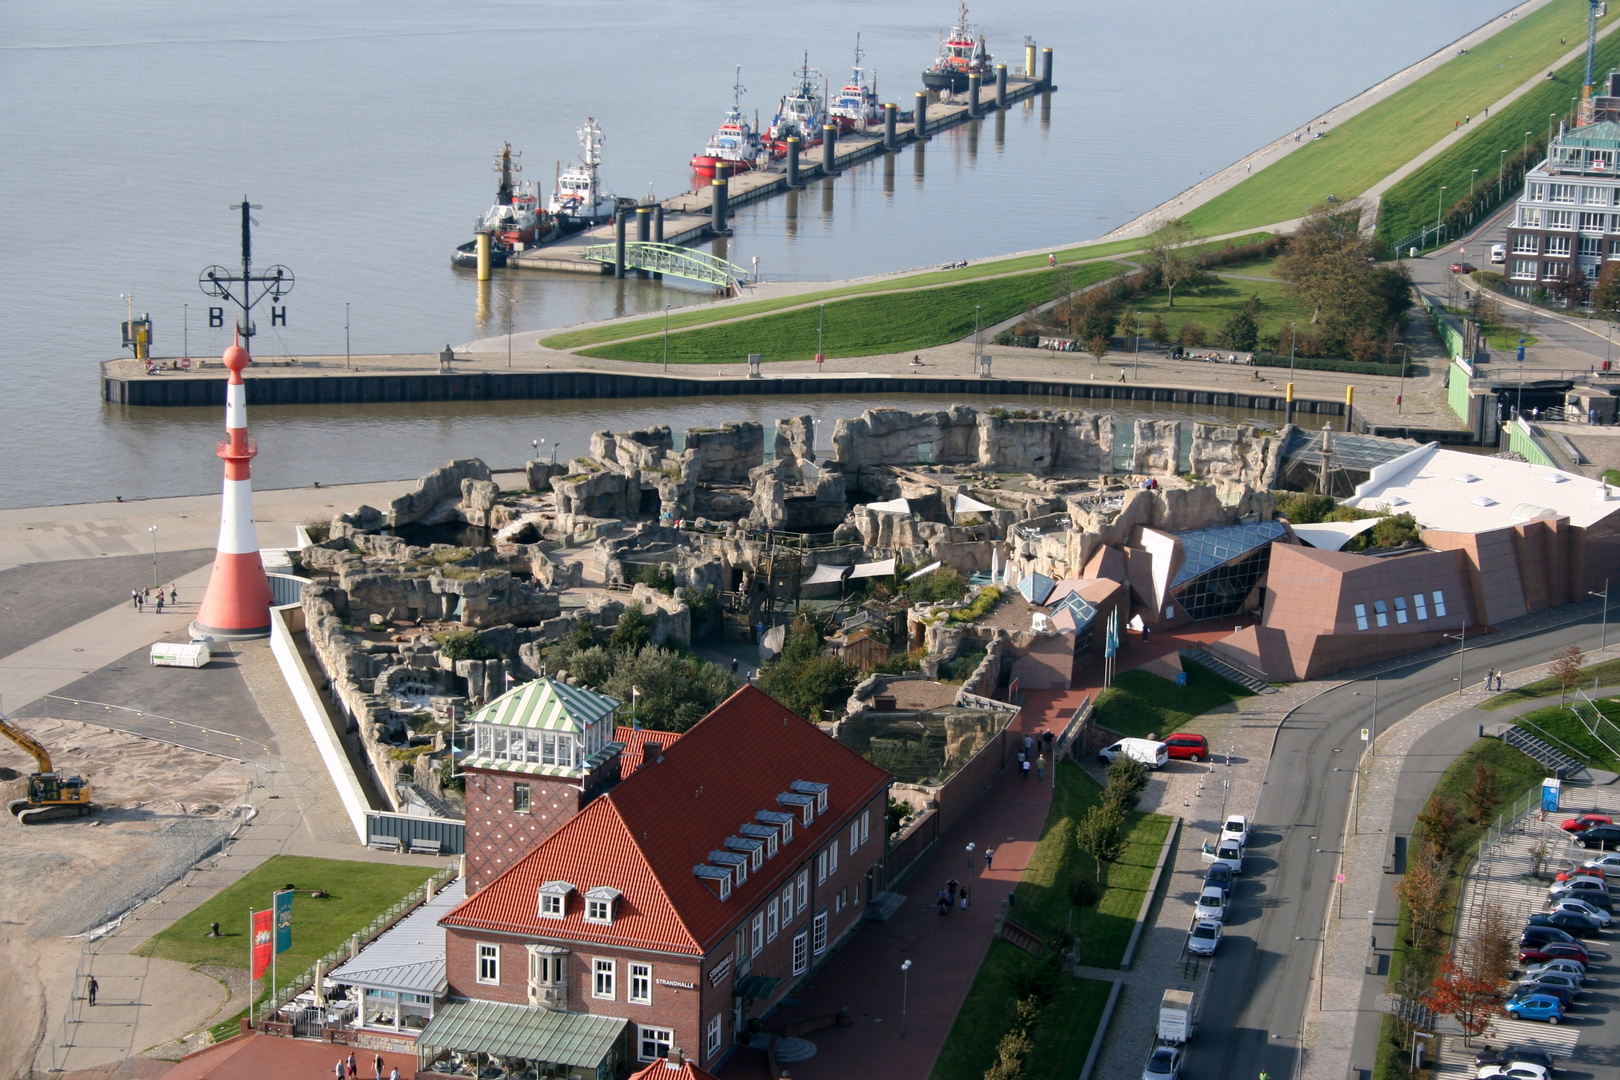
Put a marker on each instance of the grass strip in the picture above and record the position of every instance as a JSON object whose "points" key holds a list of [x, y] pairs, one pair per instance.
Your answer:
{"points": [[1593, 676], [1365, 148], [1571, 733], [1209, 306], [863, 326], [1140, 705]]}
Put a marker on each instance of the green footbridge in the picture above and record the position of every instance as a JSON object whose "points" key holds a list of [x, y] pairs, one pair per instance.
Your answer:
{"points": [[671, 259]]}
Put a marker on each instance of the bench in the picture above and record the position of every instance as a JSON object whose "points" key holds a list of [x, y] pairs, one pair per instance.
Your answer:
{"points": [[386, 843], [425, 847]]}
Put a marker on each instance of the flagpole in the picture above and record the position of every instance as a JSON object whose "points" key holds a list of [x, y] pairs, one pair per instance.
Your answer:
{"points": [[252, 982]]}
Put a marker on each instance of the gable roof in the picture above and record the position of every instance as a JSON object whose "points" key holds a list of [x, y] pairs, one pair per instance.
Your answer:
{"points": [[666, 1069], [646, 836]]}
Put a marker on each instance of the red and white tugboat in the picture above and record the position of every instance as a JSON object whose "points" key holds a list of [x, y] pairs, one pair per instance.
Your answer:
{"points": [[515, 221], [802, 112], [856, 107], [962, 52], [579, 198], [736, 143]]}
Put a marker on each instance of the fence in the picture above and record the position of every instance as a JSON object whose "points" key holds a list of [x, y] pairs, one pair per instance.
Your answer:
{"points": [[280, 995], [166, 729], [450, 834]]}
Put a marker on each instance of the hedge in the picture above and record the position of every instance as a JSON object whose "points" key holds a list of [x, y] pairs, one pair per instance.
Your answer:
{"points": [[1316, 363]]}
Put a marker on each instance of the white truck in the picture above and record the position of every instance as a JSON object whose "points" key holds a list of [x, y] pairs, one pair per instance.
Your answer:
{"points": [[1148, 752], [1176, 1017]]}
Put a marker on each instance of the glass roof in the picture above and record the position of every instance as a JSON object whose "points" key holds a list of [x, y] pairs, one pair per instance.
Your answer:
{"points": [[1082, 611], [1036, 588], [1205, 549], [1349, 451]]}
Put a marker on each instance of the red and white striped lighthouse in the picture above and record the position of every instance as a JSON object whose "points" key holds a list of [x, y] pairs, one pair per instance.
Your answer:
{"points": [[237, 604]]}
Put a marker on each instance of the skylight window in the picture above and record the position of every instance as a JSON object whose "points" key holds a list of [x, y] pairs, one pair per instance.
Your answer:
{"points": [[1466, 478], [1483, 500]]}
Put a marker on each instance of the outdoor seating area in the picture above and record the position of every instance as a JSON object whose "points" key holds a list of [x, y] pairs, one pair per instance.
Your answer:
{"points": [[492, 1040]]}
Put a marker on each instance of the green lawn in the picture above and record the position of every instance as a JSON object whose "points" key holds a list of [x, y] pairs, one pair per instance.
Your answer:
{"points": [[863, 326], [1141, 705], [1372, 144], [357, 892], [1410, 205], [1211, 305], [1570, 733], [1599, 675], [1063, 1036]]}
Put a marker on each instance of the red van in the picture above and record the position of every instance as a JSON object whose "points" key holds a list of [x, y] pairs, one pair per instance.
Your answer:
{"points": [[1187, 746]]}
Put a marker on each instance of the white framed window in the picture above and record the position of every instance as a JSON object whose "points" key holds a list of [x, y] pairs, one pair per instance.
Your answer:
{"points": [[1595, 196], [1421, 603], [1526, 244], [745, 959], [520, 798], [641, 984], [758, 857], [604, 977], [597, 910], [1439, 603], [1400, 609], [818, 933], [1530, 217], [1361, 616], [757, 929], [1524, 269], [551, 905], [832, 857], [787, 902], [866, 825], [787, 830], [546, 969], [821, 866], [489, 965], [854, 836], [1590, 247], [1381, 612], [1593, 222], [809, 812], [1560, 219], [1561, 193], [739, 870], [725, 887], [802, 887], [655, 1041], [821, 801], [1557, 245], [773, 919], [1553, 271], [801, 952], [711, 1036], [1535, 192], [770, 845]]}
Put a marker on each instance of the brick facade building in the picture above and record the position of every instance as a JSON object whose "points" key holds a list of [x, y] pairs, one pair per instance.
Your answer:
{"points": [[686, 899], [1567, 220]]}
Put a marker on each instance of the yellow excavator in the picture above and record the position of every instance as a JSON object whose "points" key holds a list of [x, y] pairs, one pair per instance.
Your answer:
{"points": [[50, 796]]}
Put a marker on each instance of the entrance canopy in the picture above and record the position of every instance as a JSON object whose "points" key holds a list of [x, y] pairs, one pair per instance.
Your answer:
{"points": [[576, 1040], [872, 569], [826, 575]]}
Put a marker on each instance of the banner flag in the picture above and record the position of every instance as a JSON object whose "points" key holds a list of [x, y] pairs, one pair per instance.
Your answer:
{"points": [[283, 908], [263, 942]]}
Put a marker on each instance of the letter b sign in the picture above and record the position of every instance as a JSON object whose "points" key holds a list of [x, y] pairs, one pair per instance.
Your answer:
{"points": [[216, 316]]}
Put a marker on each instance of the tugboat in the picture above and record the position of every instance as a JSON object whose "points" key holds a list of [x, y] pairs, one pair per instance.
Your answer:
{"points": [[579, 198], [962, 52], [736, 144], [514, 222], [802, 112], [856, 106]]}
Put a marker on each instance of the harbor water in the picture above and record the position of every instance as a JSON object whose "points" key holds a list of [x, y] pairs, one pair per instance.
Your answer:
{"points": [[366, 140]]}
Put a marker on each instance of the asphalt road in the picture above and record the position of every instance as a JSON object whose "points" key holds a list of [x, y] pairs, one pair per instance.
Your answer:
{"points": [[1255, 1002]]}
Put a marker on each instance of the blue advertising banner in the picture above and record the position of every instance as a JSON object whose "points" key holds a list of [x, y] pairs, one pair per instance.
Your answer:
{"points": [[283, 909]]}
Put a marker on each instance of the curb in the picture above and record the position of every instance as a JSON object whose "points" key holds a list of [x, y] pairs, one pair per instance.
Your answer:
{"points": [[1102, 1029], [1147, 901]]}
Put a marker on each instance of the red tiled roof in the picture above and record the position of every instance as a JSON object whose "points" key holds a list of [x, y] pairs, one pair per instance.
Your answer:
{"points": [[663, 1069], [635, 745], [644, 837]]}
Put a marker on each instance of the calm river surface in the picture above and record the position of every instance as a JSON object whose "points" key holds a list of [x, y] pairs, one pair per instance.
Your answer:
{"points": [[366, 132]]}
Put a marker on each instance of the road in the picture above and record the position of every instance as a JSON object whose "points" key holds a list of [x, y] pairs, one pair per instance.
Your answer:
{"points": [[1254, 1005]]}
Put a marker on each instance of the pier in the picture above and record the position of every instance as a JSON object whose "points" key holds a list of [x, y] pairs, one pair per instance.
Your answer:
{"points": [[689, 217]]}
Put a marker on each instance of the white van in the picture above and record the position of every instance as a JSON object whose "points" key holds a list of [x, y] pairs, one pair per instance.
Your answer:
{"points": [[1145, 751], [1225, 852], [1498, 254]]}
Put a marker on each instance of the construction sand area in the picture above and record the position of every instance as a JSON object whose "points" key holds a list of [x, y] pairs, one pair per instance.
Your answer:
{"points": [[161, 808]]}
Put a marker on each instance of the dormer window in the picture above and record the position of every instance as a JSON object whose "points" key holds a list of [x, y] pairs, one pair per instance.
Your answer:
{"points": [[809, 787], [750, 846], [783, 822], [600, 903], [736, 861], [766, 833], [554, 899], [717, 876], [805, 803]]}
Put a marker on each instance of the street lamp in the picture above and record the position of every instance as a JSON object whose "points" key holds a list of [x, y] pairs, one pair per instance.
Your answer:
{"points": [[153, 531], [666, 339], [1526, 148], [1372, 742], [1137, 321], [1552, 118], [1501, 174], [1603, 639], [509, 302], [1471, 181], [1462, 646], [905, 985], [1401, 392], [1438, 197], [1293, 339], [975, 364]]}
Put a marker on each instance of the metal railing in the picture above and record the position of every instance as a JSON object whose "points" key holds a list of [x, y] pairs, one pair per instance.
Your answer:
{"points": [[167, 729], [671, 259]]}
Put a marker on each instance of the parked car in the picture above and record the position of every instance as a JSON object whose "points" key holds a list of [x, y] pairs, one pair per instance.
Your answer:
{"points": [[1572, 903], [1539, 952], [1498, 254], [1514, 1055], [1536, 1007], [1163, 1064], [1608, 862], [1205, 935], [1545, 933], [1515, 1071], [1599, 837], [1596, 873], [1227, 853], [1220, 875], [1211, 904], [1552, 979], [1563, 967], [1463, 268], [1591, 890], [1586, 821], [1564, 994], [1186, 746], [1236, 828], [1572, 922], [1146, 752]]}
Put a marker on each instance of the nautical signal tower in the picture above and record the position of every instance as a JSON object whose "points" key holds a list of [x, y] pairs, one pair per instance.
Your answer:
{"points": [[275, 283]]}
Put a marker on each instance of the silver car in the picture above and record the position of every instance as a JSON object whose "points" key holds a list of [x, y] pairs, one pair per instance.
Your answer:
{"points": [[1205, 935], [1163, 1064]]}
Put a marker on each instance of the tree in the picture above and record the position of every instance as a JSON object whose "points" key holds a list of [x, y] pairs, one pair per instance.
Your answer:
{"points": [[1098, 347], [1158, 330], [1330, 267], [1573, 289], [1606, 296], [805, 679], [1397, 530], [1483, 793], [1423, 888], [1239, 332], [1566, 668], [1130, 324], [1492, 951], [1439, 821], [1193, 335], [633, 631], [1168, 253], [1101, 834], [1126, 781], [1538, 852], [676, 691], [1466, 997]]}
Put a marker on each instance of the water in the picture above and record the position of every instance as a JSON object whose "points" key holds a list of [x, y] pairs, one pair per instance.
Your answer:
{"points": [[131, 129]]}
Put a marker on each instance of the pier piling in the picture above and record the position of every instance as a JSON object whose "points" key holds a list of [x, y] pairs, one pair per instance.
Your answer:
{"points": [[793, 180], [919, 129], [1029, 58], [658, 231], [1001, 86], [1046, 68], [974, 83], [721, 171], [619, 226], [829, 148], [643, 230], [483, 256], [891, 112]]}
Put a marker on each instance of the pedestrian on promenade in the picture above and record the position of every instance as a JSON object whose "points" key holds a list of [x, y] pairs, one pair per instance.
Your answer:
{"points": [[1040, 766], [1490, 673], [90, 988], [395, 1074], [944, 904], [1023, 769], [174, 594], [989, 858], [1046, 736], [160, 602], [1028, 744], [964, 898], [378, 1064], [1249, 167], [338, 1071], [134, 598], [953, 885], [734, 665], [140, 601], [354, 1069]]}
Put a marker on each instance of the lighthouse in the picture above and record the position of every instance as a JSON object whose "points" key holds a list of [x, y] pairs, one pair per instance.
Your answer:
{"points": [[237, 604]]}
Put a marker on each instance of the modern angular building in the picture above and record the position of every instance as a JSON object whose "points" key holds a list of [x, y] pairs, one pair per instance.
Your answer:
{"points": [[1567, 221]]}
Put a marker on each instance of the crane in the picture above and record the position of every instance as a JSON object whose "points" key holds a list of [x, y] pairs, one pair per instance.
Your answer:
{"points": [[1585, 115], [50, 796]]}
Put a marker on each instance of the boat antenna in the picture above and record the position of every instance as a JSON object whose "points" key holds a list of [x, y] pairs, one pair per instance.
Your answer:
{"points": [[738, 89], [858, 53]]}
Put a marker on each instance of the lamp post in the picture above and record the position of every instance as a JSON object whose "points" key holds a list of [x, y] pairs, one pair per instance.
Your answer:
{"points": [[1439, 196], [345, 334], [1603, 639], [1462, 646], [1552, 119], [1293, 339], [1501, 174], [975, 364], [1373, 742], [1525, 149], [1471, 180], [509, 302], [666, 339], [185, 330], [1401, 392], [905, 986], [821, 320], [1136, 320], [153, 530]]}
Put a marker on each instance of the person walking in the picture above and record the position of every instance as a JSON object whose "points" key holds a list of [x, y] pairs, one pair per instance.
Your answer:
{"points": [[140, 601], [1023, 769], [174, 593], [90, 988], [989, 858], [394, 1075], [160, 602], [944, 904], [378, 1063], [951, 886], [964, 898], [1029, 744], [1040, 766], [338, 1070], [354, 1068], [134, 598]]}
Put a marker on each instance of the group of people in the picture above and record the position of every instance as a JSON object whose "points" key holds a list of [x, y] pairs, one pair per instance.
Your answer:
{"points": [[139, 598], [1029, 757], [348, 1069], [949, 898], [1493, 679]]}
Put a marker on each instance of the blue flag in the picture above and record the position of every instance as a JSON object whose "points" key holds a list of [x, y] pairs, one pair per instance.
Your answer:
{"points": [[283, 907], [1111, 641]]}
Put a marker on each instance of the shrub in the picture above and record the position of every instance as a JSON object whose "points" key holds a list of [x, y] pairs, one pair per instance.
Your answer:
{"points": [[633, 631], [1083, 893], [660, 576], [1193, 335], [319, 531], [466, 645], [988, 597], [1239, 332]]}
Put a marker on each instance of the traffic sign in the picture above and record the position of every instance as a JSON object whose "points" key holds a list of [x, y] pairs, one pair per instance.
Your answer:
{"points": [[1365, 734], [1339, 878]]}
